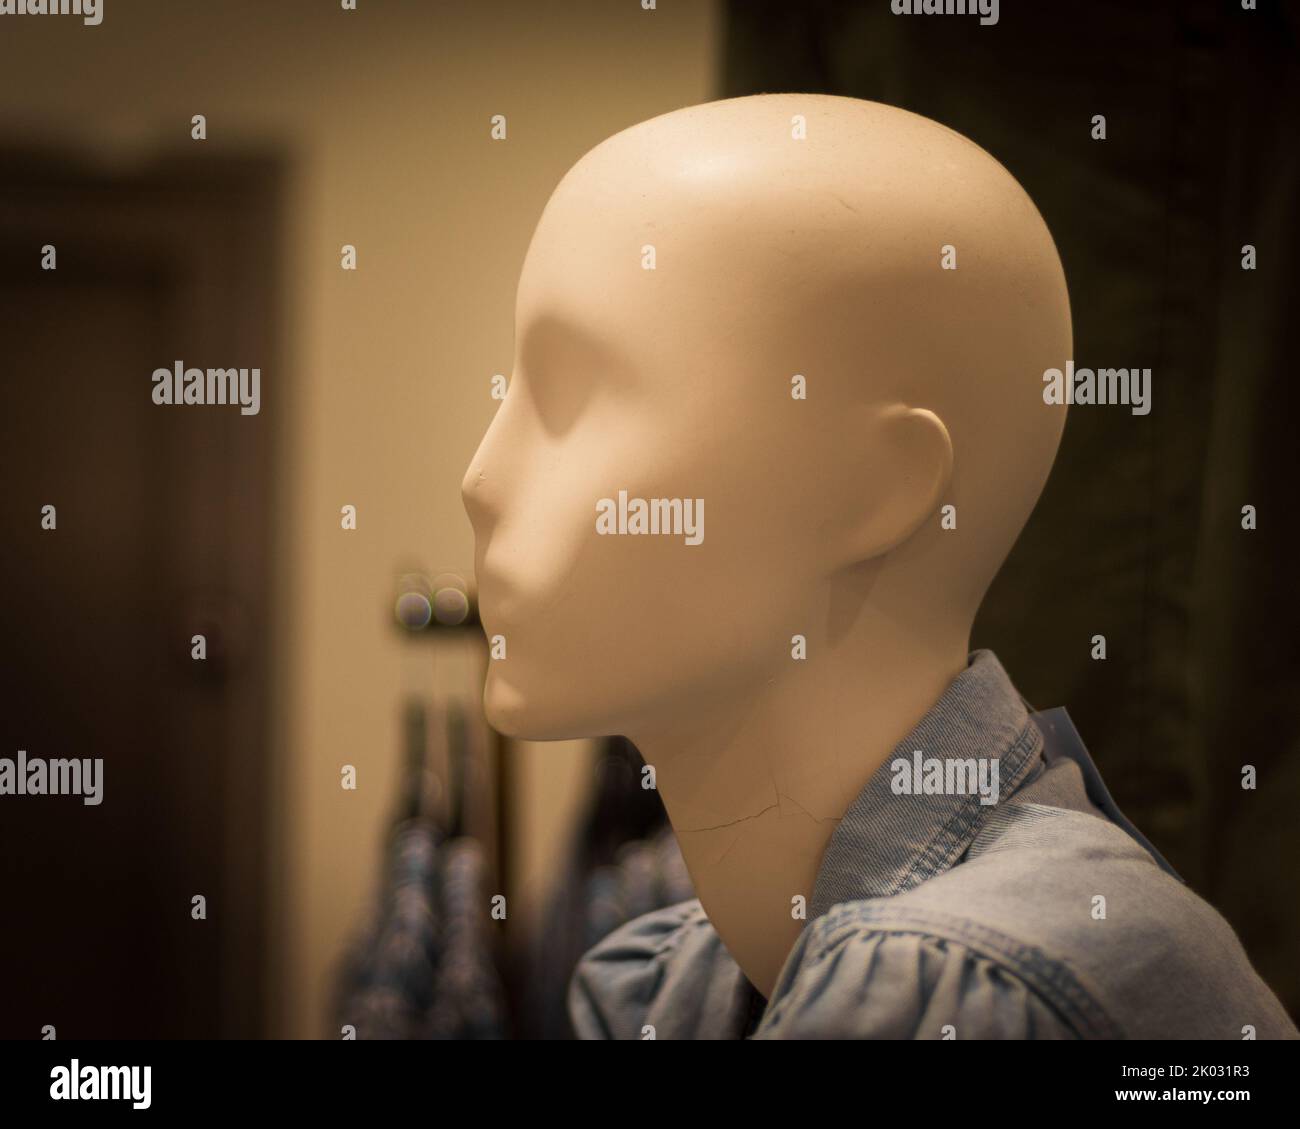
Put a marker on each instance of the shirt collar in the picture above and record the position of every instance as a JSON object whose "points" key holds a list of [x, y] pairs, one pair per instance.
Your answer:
{"points": [[889, 842]]}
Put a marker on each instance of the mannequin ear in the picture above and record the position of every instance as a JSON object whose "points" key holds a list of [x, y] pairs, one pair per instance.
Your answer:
{"points": [[906, 468]]}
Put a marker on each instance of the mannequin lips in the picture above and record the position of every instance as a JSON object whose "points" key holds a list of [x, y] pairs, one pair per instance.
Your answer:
{"points": [[498, 600]]}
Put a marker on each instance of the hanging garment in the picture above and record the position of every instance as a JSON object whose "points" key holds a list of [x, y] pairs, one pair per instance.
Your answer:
{"points": [[625, 862], [468, 999], [388, 981]]}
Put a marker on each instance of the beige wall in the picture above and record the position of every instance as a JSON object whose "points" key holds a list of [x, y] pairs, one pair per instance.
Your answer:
{"points": [[384, 115]]}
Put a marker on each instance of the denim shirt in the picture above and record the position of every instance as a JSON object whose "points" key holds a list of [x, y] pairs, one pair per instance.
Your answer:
{"points": [[1043, 915]]}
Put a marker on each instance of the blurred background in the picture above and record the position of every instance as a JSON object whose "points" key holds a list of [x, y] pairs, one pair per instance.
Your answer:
{"points": [[330, 648]]}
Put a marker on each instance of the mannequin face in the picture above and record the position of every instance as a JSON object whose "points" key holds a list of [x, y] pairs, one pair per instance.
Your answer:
{"points": [[772, 258], [664, 384]]}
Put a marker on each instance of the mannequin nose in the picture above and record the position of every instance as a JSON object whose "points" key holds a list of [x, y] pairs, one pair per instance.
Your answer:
{"points": [[484, 488]]}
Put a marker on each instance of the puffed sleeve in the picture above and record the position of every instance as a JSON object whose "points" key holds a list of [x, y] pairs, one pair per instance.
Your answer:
{"points": [[665, 975], [869, 984]]}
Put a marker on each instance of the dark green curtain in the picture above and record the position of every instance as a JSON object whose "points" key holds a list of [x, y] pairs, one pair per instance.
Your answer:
{"points": [[1139, 535]]}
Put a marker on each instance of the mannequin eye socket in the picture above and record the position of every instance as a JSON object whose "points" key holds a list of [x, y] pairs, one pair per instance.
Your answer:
{"points": [[563, 370], [559, 397]]}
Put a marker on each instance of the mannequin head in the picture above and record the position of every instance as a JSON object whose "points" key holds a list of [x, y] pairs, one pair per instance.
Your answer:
{"points": [[774, 257]]}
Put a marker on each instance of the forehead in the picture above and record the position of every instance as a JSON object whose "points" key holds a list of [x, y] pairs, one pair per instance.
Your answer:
{"points": [[583, 291], [630, 248], [595, 228]]}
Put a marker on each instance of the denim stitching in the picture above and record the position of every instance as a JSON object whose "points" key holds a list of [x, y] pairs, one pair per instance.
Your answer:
{"points": [[961, 825]]}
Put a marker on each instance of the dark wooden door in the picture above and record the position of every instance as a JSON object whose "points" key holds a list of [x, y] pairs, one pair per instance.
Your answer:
{"points": [[162, 529]]}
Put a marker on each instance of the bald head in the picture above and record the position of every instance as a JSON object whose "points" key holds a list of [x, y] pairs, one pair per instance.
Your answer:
{"points": [[824, 317]]}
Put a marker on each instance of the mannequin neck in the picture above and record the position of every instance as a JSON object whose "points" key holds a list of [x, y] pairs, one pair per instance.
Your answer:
{"points": [[756, 785]]}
